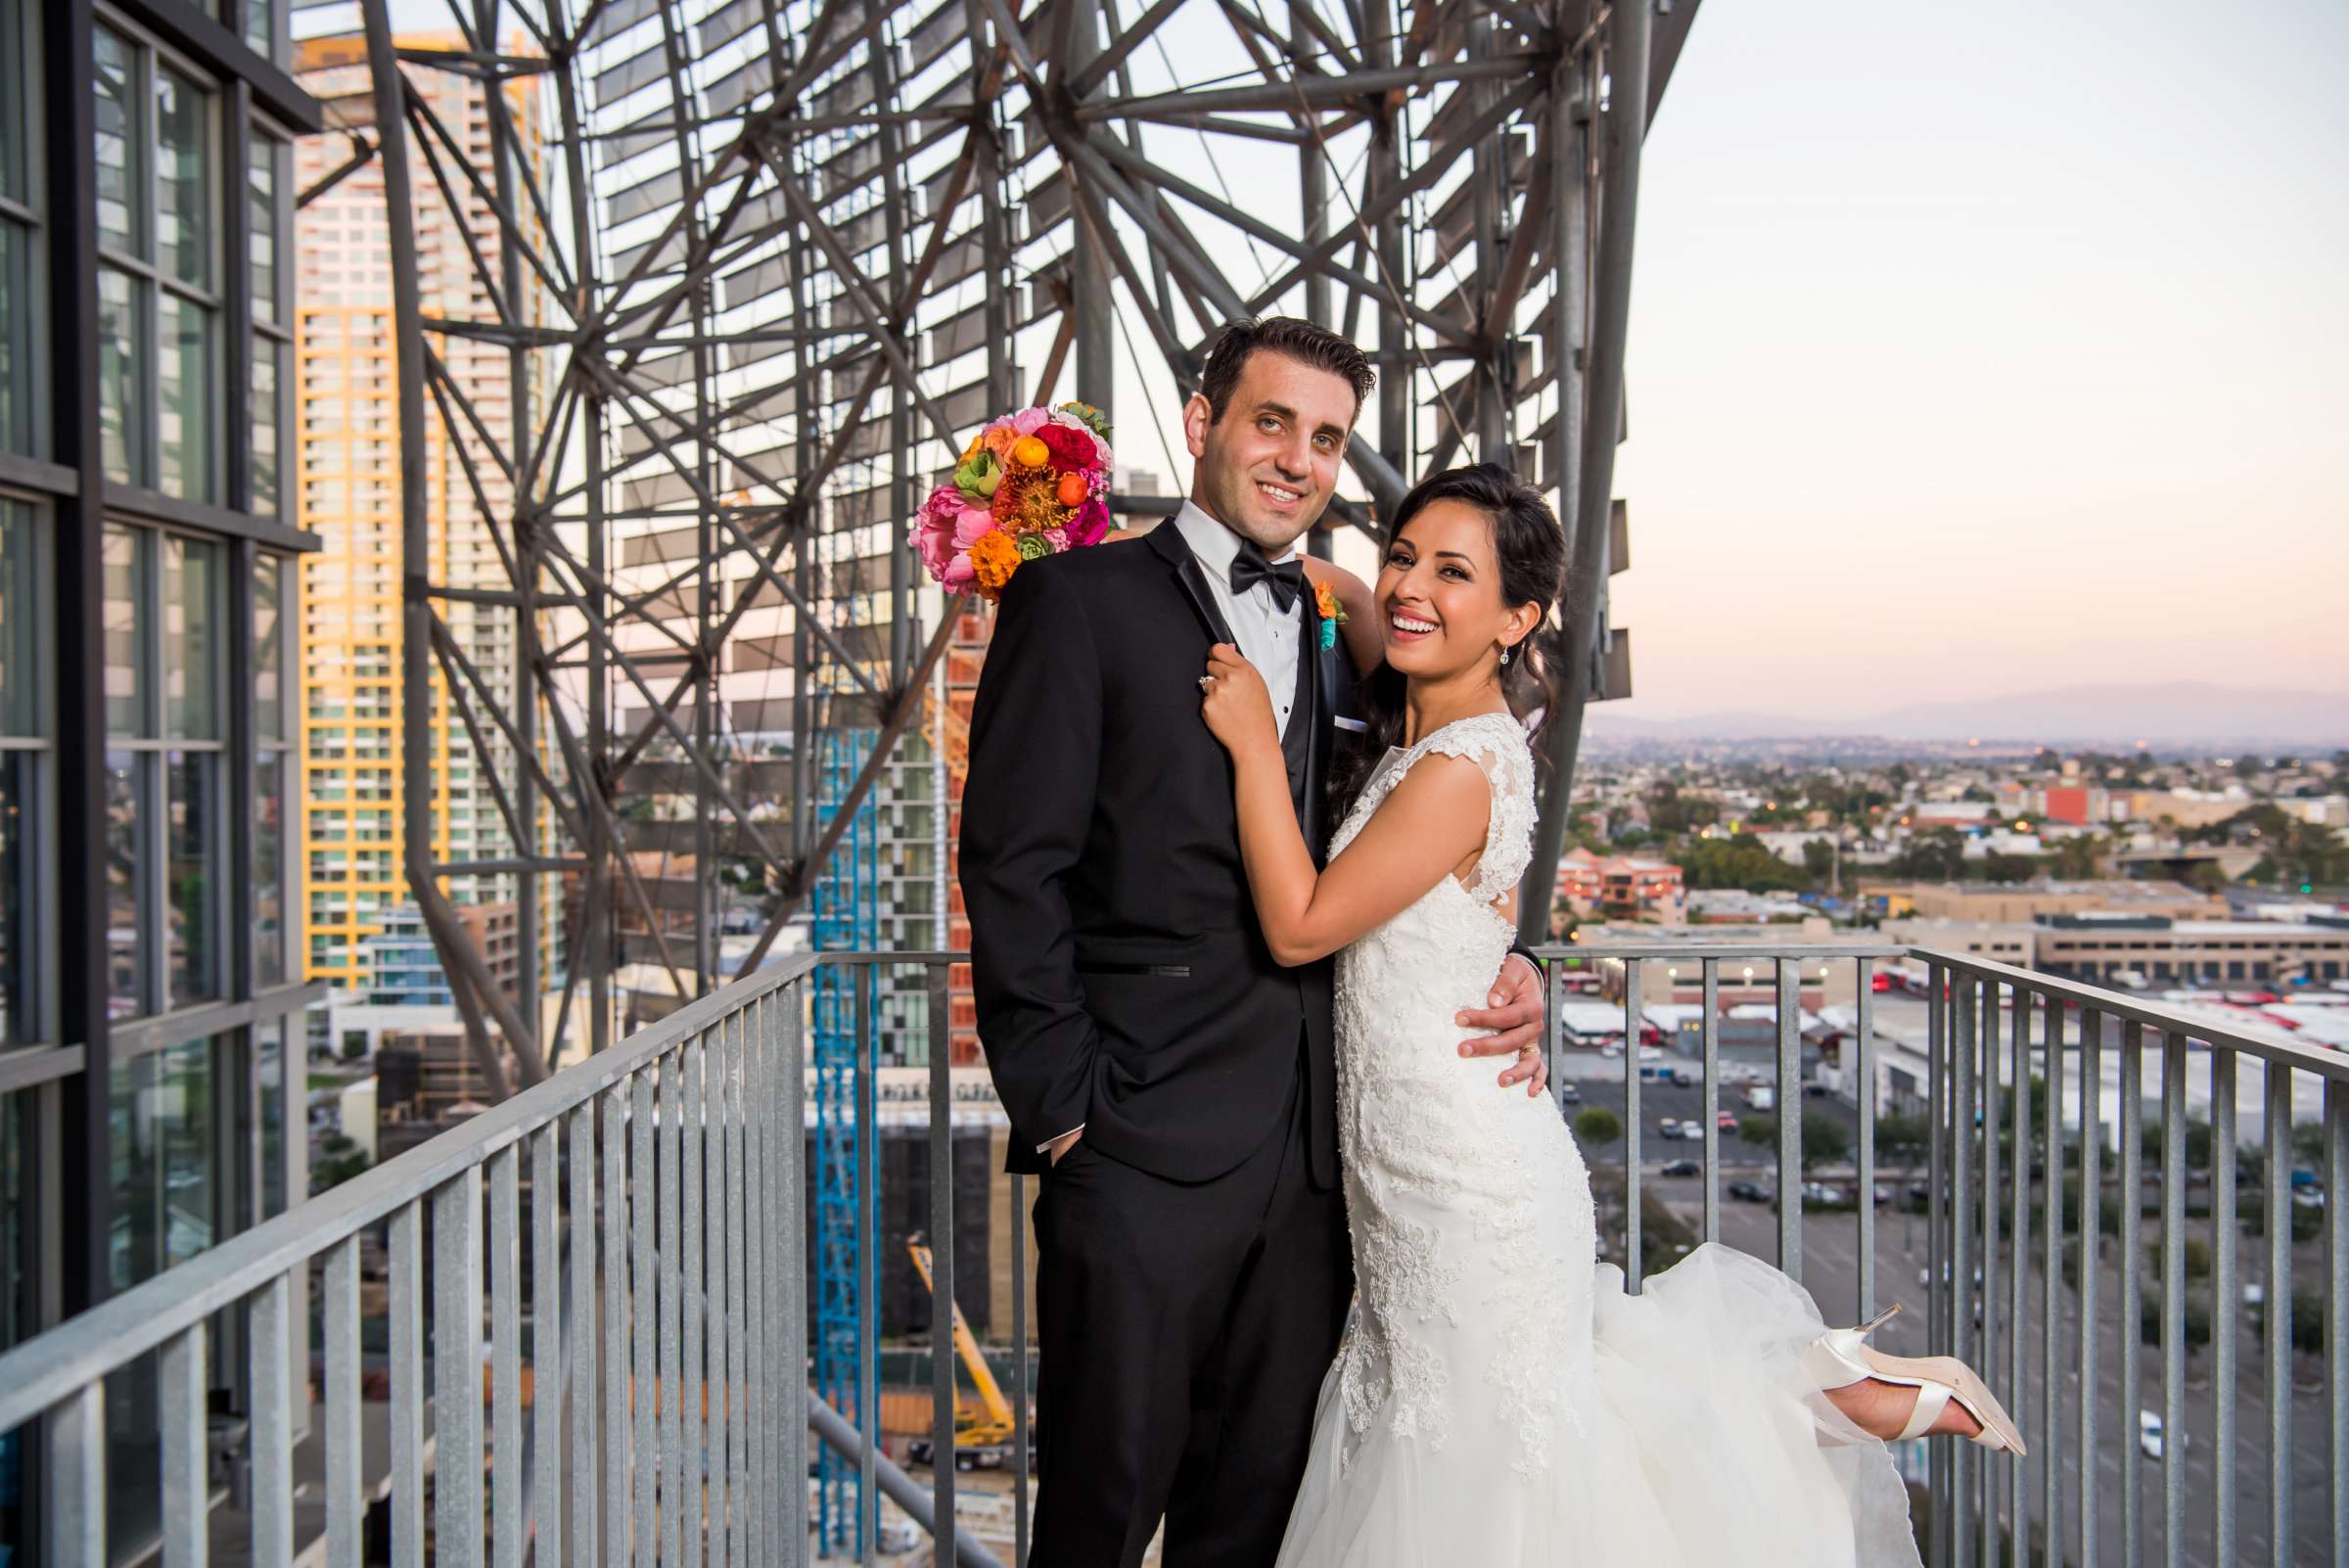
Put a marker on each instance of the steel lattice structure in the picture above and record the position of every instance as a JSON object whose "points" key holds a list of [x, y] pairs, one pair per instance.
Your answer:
{"points": [[761, 266]]}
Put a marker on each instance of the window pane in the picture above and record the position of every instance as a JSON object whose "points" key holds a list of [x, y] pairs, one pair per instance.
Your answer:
{"points": [[19, 706], [192, 935], [17, 1023], [116, 138], [184, 370], [268, 647], [266, 498], [122, 419], [270, 1055], [192, 627], [124, 990], [182, 204], [125, 633], [269, 869], [162, 1170], [15, 338], [15, 139], [260, 33], [261, 217]]}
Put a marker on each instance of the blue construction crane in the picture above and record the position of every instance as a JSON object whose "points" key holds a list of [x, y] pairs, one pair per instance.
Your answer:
{"points": [[844, 909]]}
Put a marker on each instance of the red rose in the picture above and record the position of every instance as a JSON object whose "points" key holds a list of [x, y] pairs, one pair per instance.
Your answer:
{"points": [[1073, 449]]}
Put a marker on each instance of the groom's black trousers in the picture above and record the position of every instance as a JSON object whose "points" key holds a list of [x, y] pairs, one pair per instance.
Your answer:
{"points": [[1184, 1330]]}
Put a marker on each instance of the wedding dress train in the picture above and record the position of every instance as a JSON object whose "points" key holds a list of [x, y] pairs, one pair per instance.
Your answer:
{"points": [[1499, 1400]]}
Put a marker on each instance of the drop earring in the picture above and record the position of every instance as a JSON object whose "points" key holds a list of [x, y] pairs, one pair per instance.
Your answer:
{"points": [[1504, 657]]}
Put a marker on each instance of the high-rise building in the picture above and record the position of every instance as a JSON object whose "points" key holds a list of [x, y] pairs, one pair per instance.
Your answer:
{"points": [[347, 447], [150, 988]]}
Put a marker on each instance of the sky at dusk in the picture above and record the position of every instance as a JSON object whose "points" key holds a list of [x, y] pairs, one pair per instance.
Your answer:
{"points": [[1983, 349], [1974, 349]]}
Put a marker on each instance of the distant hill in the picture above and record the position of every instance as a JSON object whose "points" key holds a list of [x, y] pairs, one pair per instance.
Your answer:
{"points": [[2179, 713]]}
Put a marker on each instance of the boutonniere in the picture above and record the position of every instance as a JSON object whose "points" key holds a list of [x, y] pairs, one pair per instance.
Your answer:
{"points": [[1332, 612]]}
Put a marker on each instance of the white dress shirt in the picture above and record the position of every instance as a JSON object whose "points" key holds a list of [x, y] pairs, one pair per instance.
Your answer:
{"points": [[1269, 635]]}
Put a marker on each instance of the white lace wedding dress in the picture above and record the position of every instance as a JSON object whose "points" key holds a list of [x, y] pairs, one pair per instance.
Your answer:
{"points": [[1499, 1399]]}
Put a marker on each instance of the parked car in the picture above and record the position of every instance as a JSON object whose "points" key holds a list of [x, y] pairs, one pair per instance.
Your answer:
{"points": [[1570, 1094], [1726, 1120], [1749, 1191], [2150, 1438], [1822, 1193], [1682, 1167]]}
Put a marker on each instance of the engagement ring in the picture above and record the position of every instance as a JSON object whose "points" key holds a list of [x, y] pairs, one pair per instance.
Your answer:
{"points": [[1206, 682]]}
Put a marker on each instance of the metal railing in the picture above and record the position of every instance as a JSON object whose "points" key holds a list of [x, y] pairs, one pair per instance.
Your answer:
{"points": [[666, 1287], [666, 1295], [2015, 1064]]}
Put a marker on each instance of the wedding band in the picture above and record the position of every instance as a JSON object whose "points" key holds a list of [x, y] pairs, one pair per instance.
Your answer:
{"points": [[1206, 682]]}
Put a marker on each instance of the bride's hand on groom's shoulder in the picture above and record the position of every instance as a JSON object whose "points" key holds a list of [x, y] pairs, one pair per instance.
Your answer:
{"points": [[1233, 700]]}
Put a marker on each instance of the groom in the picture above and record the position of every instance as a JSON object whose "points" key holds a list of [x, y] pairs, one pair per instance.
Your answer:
{"points": [[1176, 1087]]}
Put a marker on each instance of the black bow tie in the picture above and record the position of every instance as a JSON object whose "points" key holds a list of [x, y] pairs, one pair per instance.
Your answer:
{"points": [[1285, 581]]}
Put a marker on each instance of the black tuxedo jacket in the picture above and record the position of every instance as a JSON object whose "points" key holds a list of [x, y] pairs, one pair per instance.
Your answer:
{"points": [[1123, 983]]}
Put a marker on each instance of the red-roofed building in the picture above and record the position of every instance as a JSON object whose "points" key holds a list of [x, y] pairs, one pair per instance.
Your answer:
{"points": [[1623, 888]]}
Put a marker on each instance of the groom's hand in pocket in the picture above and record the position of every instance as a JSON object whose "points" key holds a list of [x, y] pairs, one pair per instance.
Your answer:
{"points": [[1515, 1016]]}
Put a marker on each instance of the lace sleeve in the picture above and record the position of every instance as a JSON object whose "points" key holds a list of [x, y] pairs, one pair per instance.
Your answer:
{"points": [[1496, 745]]}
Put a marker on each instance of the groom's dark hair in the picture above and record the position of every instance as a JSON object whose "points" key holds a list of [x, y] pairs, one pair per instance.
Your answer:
{"points": [[1300, 339]]}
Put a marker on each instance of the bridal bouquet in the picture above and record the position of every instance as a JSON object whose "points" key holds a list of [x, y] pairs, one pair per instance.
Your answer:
{"points": [[1031, 483]]}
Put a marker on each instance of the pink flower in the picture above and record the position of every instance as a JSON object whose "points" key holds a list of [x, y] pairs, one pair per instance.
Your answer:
{"points": [[958, 577], [970, 524], [931, 535], [1027, 421], [1058, 538], [1089, 523]]}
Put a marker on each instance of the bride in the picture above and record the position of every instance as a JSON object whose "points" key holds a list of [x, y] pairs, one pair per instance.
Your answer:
{"points": [[1499, 1399]]}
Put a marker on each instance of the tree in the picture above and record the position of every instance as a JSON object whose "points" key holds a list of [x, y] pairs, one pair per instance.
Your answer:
{"points": [[1598, 1127], [1819, 859], [340, 1161], [1761, 1132], [1904, 1139], [1824, 1143]]}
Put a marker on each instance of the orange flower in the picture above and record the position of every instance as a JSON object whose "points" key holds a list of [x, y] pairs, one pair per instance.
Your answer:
{"points": [[1029, 452], [1027, 500], [1074, 489], [1327, 602], [1001, 441], [994, 559]]}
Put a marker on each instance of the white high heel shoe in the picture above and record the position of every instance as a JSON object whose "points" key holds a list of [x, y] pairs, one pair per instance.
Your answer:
{"points": [[1842, 1356]]}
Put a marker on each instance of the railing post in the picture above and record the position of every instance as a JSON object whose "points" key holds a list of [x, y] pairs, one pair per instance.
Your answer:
{"points": [[1789, 976], [1964, 1042], [457, 1371], [341, 1435], [2050, 1462], [941, 1268], [406, 1326], [1939, 1119], [75, 1455], [1708, 1047], [2276, 1311], [2336, 1309], [2173, 1299], [509, 1527], [187, 1491], [1996, 1478], [2226, 1298], [2133, 1204], [1633, 1016], [2092, 1228], [1863, 1067]]}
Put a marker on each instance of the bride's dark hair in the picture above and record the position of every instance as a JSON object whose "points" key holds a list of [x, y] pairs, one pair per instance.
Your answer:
{"points": [[1531, 548]]}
